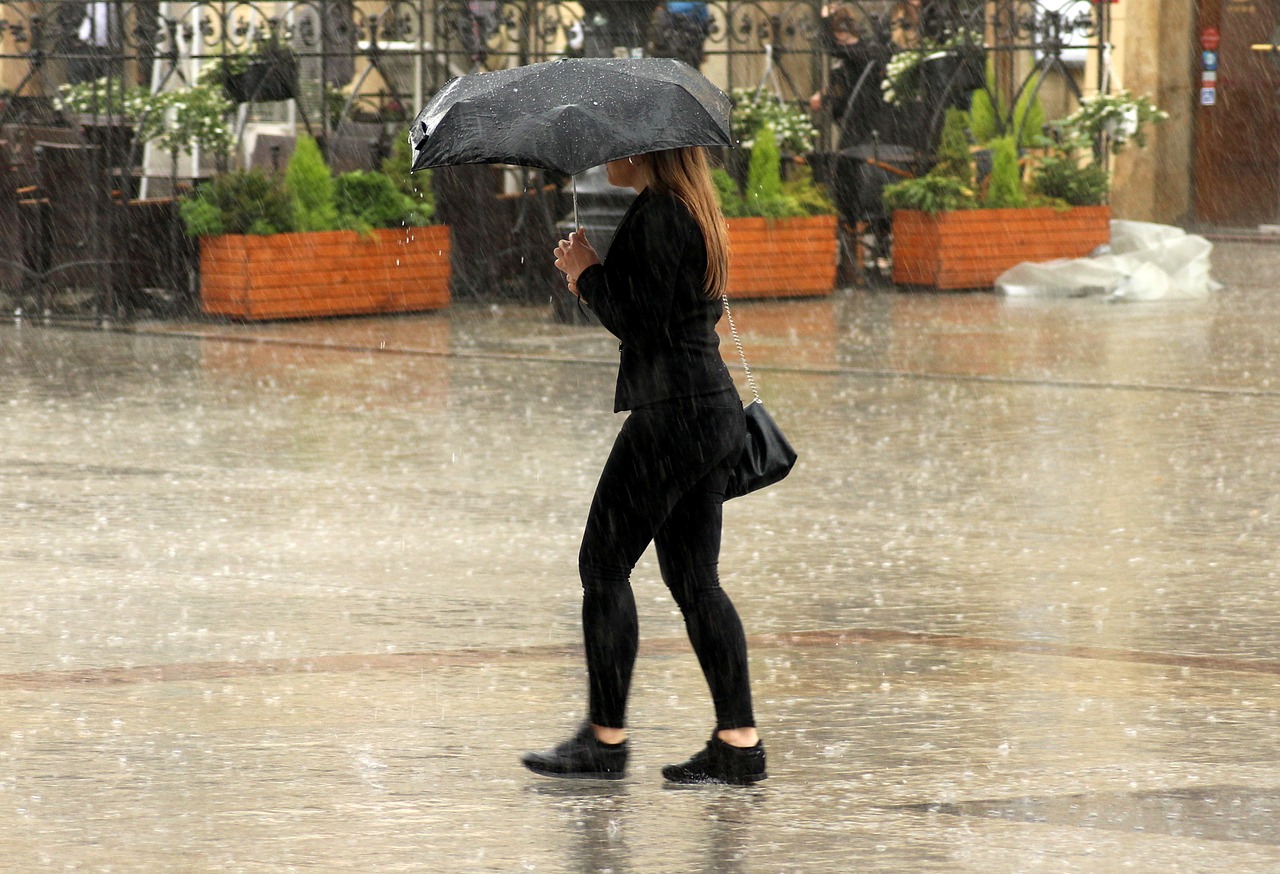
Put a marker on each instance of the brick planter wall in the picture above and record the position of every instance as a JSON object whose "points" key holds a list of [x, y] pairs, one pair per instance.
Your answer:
{"points": [[325, 273], [793, 257], [971, 248]]}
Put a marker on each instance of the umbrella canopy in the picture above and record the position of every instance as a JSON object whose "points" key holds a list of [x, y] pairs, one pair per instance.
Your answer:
{"points": [[571, 114]]}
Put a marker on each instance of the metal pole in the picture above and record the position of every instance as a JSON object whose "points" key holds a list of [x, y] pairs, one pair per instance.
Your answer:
{"points": [[1104, 43], [325, 127]]}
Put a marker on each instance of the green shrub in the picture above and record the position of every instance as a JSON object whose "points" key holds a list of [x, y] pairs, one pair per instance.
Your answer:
{"points": [[1061, 178], [731, 202], [243, 202], [414, 185], [764, 195], [371, 200], [929, 194], [1029, 120], [1005, 188], [984, 118], [809, 196], [801, 196], [252, 202], [954, 159], [310, 184], [201, 218], [990, 119], [764, 176]]}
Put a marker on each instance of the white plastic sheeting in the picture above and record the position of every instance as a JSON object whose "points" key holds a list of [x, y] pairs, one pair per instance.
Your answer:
{"points": [[1144, 262]]}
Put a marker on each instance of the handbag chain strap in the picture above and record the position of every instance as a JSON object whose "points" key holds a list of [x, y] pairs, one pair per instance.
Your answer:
{"points": [[737, 341]]}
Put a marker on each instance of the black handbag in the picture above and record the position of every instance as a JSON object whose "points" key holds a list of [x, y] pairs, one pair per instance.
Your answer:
{"points": [[767, 456]]}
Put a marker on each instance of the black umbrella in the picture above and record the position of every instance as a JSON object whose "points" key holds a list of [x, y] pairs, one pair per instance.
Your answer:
{"points": [[570, 115]]}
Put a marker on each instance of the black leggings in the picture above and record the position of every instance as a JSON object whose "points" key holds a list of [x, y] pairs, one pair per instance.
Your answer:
{"points": [[664, 483]]}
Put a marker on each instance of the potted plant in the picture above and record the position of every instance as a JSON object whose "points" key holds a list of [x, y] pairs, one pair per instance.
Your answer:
{"points": [[952, 230], [782, 234], [310, 245], [754, 109], [1120, 118], [176, 120], [268, 71]]}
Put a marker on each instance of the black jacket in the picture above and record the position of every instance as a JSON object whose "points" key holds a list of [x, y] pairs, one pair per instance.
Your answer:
{"points": [[861, 113], [649, 294]]}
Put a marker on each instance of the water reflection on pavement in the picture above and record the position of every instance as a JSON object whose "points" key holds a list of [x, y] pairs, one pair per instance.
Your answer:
{"points": [[296, 595]]}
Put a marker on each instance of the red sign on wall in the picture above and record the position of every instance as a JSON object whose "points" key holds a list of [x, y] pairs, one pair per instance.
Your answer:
{"points": [[1210, 39]]}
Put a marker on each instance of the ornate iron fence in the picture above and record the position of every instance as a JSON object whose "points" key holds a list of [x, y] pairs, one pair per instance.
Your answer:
{"points": [[411, 47]]}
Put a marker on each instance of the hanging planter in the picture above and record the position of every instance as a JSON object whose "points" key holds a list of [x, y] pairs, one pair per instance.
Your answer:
{"points": [[270, 76], [270, 73]]}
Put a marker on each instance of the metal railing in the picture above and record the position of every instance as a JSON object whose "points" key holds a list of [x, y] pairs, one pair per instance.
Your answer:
{"points": [[409, 48]]}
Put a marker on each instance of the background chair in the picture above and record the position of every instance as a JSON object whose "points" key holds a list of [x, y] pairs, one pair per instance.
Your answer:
{"points": [[22, 139], [83, 230], [17, 236]]}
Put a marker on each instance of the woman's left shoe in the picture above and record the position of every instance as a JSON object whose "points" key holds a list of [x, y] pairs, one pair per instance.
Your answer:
{"points": [[720, 762], [580, 757]]}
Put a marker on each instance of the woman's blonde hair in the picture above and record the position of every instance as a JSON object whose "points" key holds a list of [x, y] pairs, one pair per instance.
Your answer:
{"points": [[686, 175]]}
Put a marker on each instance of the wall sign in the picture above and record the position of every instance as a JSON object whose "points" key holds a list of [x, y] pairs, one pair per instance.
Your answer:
{"points": [[1210, 40]]}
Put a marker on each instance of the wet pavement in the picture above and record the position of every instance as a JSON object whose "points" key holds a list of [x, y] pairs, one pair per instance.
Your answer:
{"points": [[295, 596]]}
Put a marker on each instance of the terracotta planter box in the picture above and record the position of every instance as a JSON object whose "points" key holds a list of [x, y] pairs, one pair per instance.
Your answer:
{"points": [[794, 257], [971, 248], [326, 273]]}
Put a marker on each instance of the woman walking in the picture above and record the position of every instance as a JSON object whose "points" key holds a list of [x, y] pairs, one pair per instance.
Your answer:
{"points": [[660, 293]]}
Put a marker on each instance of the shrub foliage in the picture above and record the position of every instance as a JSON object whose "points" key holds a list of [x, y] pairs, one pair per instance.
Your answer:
{"points": [[307, 197]]}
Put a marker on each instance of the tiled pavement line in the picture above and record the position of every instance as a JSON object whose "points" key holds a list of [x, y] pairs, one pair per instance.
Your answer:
{"points": [[830, 638], [867, 373]]}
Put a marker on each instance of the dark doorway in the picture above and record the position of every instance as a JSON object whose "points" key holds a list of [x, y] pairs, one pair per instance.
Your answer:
{"points": [[1237, 169]]}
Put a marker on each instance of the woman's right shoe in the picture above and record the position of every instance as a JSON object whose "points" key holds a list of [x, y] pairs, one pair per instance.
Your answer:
{"points": [[580, 757], [720, 762]]}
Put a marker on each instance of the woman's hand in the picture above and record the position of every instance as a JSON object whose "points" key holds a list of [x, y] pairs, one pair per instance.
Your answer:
{"points": [[573, 256]]}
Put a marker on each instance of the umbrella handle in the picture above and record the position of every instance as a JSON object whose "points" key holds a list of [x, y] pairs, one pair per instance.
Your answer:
{"points": [[575, 203]]}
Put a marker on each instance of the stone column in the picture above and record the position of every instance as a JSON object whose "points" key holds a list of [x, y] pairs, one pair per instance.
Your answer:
{"points": [[1155, 55]]}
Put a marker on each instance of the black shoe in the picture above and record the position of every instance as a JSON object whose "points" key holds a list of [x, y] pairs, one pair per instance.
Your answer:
{"points": [[720, 762], [581, 757]]}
